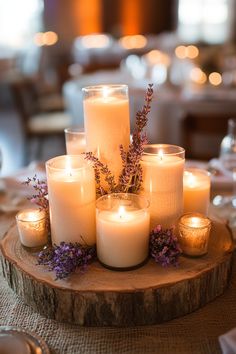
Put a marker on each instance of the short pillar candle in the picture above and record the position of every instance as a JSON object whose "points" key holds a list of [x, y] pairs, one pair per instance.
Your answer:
{"points": [[194, 231], [107, 123], [163, 167], [72, 195], [122, 230], [32, 228], [197, 184], [75, 141]]}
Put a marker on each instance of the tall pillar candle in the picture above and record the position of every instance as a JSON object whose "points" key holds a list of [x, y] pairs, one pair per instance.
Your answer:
{"points": [[107, 123], [163, 167], [196, 191], [71, 193]]}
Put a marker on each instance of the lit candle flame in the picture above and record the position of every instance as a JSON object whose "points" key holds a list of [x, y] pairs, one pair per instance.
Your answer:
{"points": [[160, 154], [32, 216], [195, 221], [105, 92], [190, 179], [68, 166], [121, 211]]}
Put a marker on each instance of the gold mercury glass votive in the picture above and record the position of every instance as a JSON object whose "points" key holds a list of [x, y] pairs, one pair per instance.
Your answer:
{"points": [[194, 232], [32, 228]]}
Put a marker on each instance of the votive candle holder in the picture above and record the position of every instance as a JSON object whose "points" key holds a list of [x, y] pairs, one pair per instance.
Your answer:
{"points": [[32, 228], [193, 234]]}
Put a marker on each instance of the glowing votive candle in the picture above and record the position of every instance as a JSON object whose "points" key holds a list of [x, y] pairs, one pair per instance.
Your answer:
{"points": [[107, 123], [194, 232], [122, 230], [196, 191], [71, 192], [75, 141], [163, 167], [32, 228]]}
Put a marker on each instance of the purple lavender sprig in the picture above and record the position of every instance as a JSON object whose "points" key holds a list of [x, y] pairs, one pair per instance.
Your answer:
{"points": [[164, 246], [41, 189], [66, 258], [130, 179], [40, 197], [101, 169]]}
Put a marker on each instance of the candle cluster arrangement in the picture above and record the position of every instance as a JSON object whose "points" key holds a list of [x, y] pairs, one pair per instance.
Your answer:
{"points": [[126, 197]]}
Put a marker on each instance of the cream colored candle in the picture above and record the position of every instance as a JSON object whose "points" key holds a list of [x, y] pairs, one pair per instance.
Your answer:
{"points": [[122, 230], [32, 228], [196, 191], [194, 232], [75, 141], [107, 123], [163, 167], [71, 192]]}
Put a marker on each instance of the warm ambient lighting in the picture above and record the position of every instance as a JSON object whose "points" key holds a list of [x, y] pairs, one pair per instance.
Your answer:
{"points": [[133, 42], [192, 52], [189, 51], [87, 16], [157, 57], [46, 38], [198, 76], [95, 41], [181, 52], [215, 78]]}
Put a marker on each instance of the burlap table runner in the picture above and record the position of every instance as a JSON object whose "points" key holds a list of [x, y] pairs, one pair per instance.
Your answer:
{"points": [[194, 333]]}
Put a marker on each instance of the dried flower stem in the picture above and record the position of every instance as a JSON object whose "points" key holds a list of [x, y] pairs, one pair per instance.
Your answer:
{"points": [[40, 198]]}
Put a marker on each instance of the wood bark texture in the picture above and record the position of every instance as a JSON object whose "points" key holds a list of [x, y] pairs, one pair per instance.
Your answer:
{"points": [[101, 297]]}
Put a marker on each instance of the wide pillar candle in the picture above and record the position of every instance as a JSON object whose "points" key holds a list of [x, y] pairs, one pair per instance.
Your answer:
{"points": [[107, 123], [163, 167], [196, 191], [122, 230], [71, 192]]}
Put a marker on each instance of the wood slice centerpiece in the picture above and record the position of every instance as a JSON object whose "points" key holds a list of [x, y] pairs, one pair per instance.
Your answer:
{"points": [[101, 297]]}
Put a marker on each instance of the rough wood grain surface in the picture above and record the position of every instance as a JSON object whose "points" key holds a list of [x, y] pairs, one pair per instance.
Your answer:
{"points": [[101, 297]]}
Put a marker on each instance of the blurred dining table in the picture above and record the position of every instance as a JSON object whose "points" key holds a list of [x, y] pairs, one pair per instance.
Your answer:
{"points": [[197, 332]]}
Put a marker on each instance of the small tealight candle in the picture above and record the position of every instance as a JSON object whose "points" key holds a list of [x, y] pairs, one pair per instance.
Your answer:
{"points": [[197, 184], [122, 230], [194, 232], [32, 228]]}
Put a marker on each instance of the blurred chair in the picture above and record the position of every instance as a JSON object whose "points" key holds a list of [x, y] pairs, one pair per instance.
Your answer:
{"points": [[37, 125], [203, 133]]}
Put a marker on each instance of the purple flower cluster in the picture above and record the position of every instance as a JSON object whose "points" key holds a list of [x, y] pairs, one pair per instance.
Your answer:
{"points": [[66, 258], [40, 197], [164, 246]]}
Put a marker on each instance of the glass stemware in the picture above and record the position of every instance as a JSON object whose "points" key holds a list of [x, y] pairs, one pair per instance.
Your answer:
{"points": [[228, 164], [0, 160]]}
